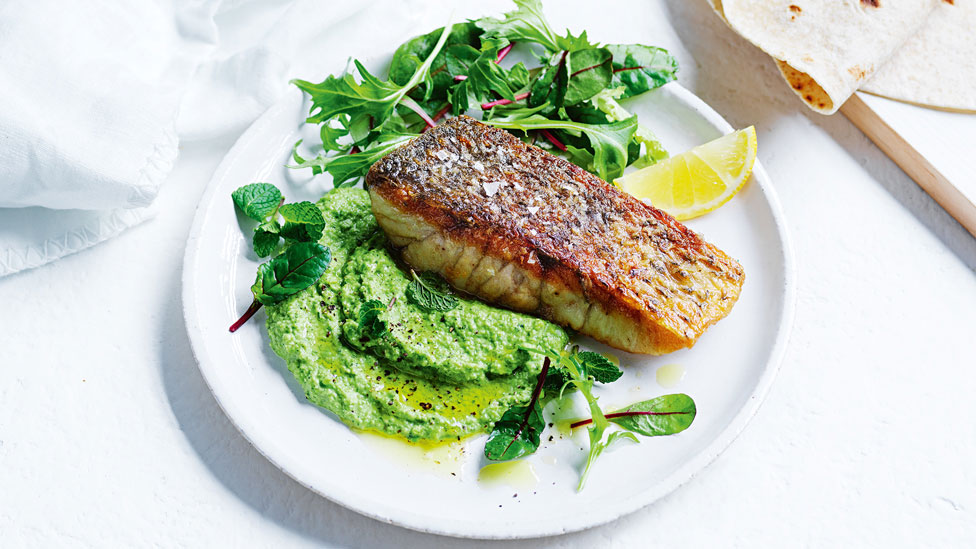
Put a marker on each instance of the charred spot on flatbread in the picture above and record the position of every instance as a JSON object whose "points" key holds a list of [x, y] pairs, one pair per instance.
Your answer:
{"points": [[806, 87], [871, 3]]}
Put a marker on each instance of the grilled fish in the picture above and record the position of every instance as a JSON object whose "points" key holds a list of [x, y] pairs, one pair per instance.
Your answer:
{"points": [[522, 228]]}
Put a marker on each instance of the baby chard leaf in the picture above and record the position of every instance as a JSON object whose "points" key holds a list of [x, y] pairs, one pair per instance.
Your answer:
{"points": [[266, 238], [303, 222], [640, 68], [516, 434], [370, 323], [599, 366], [589, 71], [664, 415], [257, 200], [295, 269], [291, 272], [430, 293]]}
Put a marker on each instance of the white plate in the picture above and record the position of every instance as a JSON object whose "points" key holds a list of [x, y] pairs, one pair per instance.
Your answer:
{"points": [[727, 373]]}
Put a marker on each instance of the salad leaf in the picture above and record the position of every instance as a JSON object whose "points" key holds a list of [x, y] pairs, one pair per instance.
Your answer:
{"points": [[609, 141], [331, 135], [528, 24], [410, 55], [483, 75], [516, 434], [430, 293], [550, 86], [257, 200], [589, 71], [371, 98], [370, 323], [291, 272], [640, 68], [266, 238], [664, 415], [654, 151], [346, 169], [303, 222]]}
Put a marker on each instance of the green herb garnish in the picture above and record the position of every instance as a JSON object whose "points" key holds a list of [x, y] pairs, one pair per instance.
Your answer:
{"points": [[371, 325], [257, 200], [429, 292], [263, 203], [664, 415], [295, 269], [517, 433]]}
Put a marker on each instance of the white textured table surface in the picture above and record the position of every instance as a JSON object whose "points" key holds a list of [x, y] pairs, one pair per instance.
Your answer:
{"points": [[109, 436]]}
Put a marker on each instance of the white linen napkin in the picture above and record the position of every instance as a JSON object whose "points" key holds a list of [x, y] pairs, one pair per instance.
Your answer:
{"points": [[96, 96], [89, 94]]}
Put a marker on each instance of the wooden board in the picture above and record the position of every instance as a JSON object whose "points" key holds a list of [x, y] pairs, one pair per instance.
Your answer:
{"points": [[935, 148]]}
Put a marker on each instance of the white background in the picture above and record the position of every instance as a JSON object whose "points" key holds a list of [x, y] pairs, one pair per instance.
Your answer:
{"points": [[109, 436]]}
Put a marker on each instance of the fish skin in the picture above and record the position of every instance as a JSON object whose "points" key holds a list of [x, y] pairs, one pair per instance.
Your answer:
{"points": [[519, 227]]}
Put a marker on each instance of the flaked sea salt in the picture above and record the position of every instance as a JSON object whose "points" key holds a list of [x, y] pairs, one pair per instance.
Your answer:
{"points": [[491, 187], [533, 209]]}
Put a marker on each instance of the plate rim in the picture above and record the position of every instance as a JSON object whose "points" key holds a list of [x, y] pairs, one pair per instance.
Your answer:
{"points": [[609, 513]]}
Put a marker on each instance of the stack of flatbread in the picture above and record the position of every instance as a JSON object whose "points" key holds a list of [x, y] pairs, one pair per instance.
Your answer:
{"points": [[919, 51]]}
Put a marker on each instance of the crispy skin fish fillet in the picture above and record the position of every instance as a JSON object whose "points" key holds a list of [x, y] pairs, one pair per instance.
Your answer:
{"points": [[519, 227]]}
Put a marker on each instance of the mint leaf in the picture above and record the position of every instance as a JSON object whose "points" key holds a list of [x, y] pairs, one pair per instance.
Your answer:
{"points": [[599, 366], [266, 238], [664, 415], [640, 68], [558, 376], [303, 222], [370, 323], [429, 292], [257, 200], [297, 268]]}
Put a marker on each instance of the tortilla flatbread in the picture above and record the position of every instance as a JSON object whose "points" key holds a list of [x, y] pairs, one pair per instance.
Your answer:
{"points": [[826, 49], [937, 66]]}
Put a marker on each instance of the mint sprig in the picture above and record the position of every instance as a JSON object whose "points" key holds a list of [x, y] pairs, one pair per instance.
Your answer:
{"points": [[302, 262], [431, 293]]}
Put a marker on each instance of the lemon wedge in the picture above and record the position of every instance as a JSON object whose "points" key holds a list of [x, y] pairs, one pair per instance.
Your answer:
{"points": [[698, 181]]}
